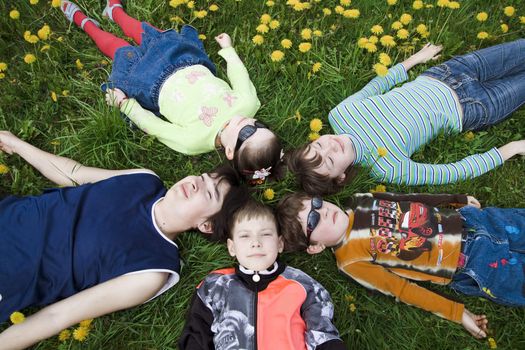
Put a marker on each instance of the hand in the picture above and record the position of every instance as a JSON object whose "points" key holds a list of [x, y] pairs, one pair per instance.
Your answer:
{"points": [[512, 148], [224, 40], [8, 142], [473, 202], [115, 97], [476, 325], [428, 52]]}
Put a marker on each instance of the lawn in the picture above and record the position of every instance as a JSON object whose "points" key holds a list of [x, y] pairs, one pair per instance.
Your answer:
{"points": [[55, 103]]}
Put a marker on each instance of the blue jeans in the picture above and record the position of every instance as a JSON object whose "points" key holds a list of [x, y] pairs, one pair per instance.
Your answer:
{"points": [[490, 83], [494, 250]]}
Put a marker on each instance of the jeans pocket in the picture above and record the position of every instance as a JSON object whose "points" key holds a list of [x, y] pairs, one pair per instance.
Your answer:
{"points": [[475, 114], [440, 72]]}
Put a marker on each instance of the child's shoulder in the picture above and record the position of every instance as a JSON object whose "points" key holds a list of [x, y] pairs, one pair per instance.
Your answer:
{"points": [[301, 277]]}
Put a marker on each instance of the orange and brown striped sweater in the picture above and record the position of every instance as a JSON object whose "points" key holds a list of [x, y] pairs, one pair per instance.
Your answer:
{"points": [[394, 238]]}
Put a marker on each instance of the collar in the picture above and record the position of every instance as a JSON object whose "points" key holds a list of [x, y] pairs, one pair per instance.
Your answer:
{"points": [[218, 143], [264, 277]]}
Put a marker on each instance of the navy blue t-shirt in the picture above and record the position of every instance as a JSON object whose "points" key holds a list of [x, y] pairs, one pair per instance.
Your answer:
{"points": [[69, 239]]}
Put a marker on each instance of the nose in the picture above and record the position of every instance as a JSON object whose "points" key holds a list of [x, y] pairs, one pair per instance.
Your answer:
{"points": [[256, 243]]}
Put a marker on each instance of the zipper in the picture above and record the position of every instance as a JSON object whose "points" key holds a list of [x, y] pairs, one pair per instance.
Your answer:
{"points": [[255, 315]]}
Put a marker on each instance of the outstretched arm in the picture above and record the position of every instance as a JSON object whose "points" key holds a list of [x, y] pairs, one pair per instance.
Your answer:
{"points": [[61, 170], [116, 294], [427, 53]]}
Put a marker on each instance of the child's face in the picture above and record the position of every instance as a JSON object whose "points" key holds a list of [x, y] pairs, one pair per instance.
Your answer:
{"points": [[336, 152], [331, 226], [255, 243]]}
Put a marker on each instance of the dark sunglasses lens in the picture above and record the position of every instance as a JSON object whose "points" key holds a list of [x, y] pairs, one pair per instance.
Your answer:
{"points": [[312, 221], [317, 202], [246, 132], [260, 125]]}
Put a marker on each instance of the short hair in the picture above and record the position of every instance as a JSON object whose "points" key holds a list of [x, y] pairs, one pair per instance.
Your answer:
{"points": [[287, 214], [251, 210], [310, 181]]}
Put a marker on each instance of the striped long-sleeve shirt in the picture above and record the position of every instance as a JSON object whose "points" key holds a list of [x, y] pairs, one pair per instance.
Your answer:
{"points": [[402, 120]]}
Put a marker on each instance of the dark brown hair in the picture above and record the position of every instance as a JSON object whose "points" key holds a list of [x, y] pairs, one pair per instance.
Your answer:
{"points": [[287, 212], [252, 209]]}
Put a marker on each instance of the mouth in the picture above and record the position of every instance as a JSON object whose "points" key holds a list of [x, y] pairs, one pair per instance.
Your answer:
{"points": [[184, 190], [334, 216], [258, 255]]}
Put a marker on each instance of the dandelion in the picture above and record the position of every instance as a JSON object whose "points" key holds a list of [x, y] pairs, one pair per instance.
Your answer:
{"points": [[30, 38], [4, 169], [442, 3], [382, 151], [403, 34], [504, 28], [213, 7], [258, 39], [339, 9], [316, 125], [371, 47], [317, 33], [2, 75], [405, 18], [492, 343], [262, 28], [200, 14], [373, 39], [202, 37], [269, 194], [313, 136], [380, 69], [327, 12], [80, 333], [345, 3], [305, 47], [86, 323], [391, 2], [45, 48], [190, 4], [417, 5], [65, 93], [482, 16], [306, 34], [270, 3], [300, 6], [482, 35], [509, 11], [353, 13], [44, 32], [176, 3], [469, 136], [396, 25], [286, 43], [454, 5], [29, 58], [3, 66], [362, 42], [316, 67], [297, 115], [54, 96], [266, 18], [384, 59], [379, 189], [377, 29], [17, 317], [14, 14], [421, 28], [352, 307], [33, 2], [277, 56], [65, 334], [79, 64], [387, 41], [349, 298], [522, 19], [274, 24]]}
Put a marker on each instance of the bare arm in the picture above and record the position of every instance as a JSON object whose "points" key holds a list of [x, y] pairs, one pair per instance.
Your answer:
{"points": [[428, 52], [512, 149], [119, 293], [61, 170]]}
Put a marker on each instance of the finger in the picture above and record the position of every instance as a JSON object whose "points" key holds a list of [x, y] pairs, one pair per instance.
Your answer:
{"points": [[436, 57]]}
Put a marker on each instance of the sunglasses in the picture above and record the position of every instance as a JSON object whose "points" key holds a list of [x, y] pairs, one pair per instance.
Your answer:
{"points": [[313, 216], [247, 131]]}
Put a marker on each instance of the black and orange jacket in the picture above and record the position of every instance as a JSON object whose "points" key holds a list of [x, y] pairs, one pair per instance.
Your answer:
{"points": [[284, 309]]}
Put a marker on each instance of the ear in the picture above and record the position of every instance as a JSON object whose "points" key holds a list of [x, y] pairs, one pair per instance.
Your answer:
{"points": [[231, 247], [205, 227], [229, 152], [281, 244], [315, 248], [341, 178]]}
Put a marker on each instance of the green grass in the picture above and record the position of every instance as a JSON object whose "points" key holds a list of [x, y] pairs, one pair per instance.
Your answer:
{"points": [[82, 127]]}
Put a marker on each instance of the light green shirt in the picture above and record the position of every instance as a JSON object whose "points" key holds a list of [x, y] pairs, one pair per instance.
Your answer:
{"points": [[197, 104]]}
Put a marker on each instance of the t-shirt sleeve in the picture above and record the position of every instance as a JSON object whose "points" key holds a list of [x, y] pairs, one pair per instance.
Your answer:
{"points": [[197, 333]]}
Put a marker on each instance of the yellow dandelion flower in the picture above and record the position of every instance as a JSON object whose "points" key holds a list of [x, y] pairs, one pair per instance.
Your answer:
{"points": [[362, 42], [176, 3], [509, 11], [454, 5], [14, 14], [45, 48], [274, 24], [442, 3], [387, 41], [469, 136], [55, 3], [66, 333], [258, 39], [54, 96], [425, 34], [327, 12], [3, 66], [79, 64], [176, 19], [345, 3], [333, 27], [382, 151], [292, 2], [190, 4], [213, 7], [2, 75], [286, 43], [380, 69], [266, 18], [482, 16], [29, 58], [306, 34], [270, 3], [277, 55], [377, 29], [492, 343], [60, 39], [384, 59], [269, 194], [33, 2], [44, 32], [373, 39], [504, 27], [313, 136], [349, 298], [300, 6], [421, 28], [316, 67], [370, 47], [403, 34], [391, 2], [418, 5], [80, 333], [305, 47], [405, 18], [262, 28], [482, 35], [200, 14], [316, 124], [297, 115], [30, 38], [202, 37], [4, 169], [352, 307], [317, 33], [396, 25], [65, 92], [353, 13], [17, 317], [86, 323], [379, 189], [339, 9]]}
